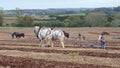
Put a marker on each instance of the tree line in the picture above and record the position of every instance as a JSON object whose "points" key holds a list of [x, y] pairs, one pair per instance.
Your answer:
{"points": [[100, 17], [91, 19]]}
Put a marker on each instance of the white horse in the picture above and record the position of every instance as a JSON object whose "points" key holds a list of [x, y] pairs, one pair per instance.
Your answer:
{"points": [[50, 35], [43, 34], [59, 35]]}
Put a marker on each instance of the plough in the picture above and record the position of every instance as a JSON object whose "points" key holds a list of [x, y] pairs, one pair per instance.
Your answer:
{"points": [[91, 45]]}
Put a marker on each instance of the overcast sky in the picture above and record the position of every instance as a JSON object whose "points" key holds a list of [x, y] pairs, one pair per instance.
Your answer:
{"points": [[44, 4]]}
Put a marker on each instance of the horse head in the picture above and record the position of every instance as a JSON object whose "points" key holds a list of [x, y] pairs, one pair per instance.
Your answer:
{"points": [[36, 30], [13, 35], [22, 34]]}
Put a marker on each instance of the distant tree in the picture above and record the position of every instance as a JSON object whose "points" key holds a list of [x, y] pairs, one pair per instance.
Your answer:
{"points": [[1, 20], [56, 24], [66, 22], [1, 16], [61, 18], [74, 21], [50, 24], [117, 15], [110, 18], [70, 12], [17, 12], [96, 19], [108, 24], [104, 10], [116, 23], [117, 9], [25, 21]]}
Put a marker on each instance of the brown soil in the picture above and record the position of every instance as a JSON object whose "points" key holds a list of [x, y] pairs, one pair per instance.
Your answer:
{"points": [[74, 44], [30, 40], [81, 53], [18, 62]]}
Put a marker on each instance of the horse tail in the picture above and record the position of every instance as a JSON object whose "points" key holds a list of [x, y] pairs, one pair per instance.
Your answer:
{"points": [[66, 34]]}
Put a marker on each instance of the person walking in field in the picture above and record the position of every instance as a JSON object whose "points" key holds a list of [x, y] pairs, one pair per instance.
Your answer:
{"points": [[102, 41], [81, 37]]}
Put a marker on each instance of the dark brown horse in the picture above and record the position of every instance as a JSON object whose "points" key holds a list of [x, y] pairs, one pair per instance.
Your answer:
{"points": [[17, 35]]}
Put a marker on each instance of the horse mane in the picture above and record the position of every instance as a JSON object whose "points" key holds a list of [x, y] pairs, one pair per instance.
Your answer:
{"points": [[38, 31]]}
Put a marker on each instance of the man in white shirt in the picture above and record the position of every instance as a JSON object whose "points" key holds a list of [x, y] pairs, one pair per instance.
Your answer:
{"points": [[102, 41]]}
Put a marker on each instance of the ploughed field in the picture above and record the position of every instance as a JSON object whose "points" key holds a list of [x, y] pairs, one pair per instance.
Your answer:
{"points": [[25, 53]]}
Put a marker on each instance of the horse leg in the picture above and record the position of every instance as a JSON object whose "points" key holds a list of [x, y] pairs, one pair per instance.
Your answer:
{"points": [[43, 43], [46, 41], [62, 42], [40, 40], [18, 37], [40, 43], [15, 36], [49, 41], [52, 43]]}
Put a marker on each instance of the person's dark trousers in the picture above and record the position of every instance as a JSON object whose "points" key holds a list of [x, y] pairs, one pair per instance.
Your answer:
{"points": [[103, 44]]}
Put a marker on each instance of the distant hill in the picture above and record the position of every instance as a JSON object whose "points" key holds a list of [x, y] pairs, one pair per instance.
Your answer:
{"points": [[66, 15], [59, 11], [50, 11]]}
